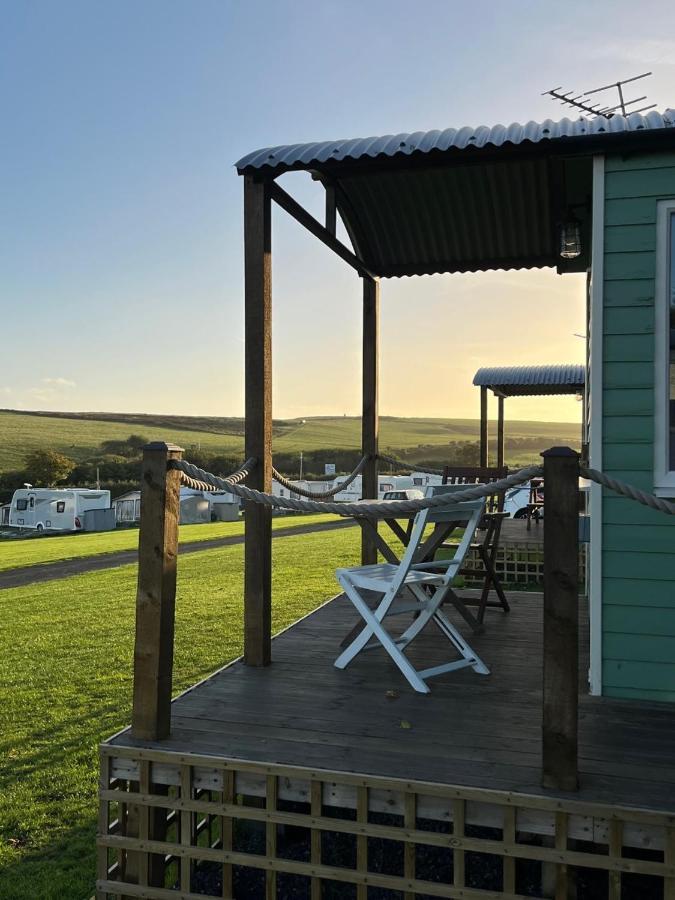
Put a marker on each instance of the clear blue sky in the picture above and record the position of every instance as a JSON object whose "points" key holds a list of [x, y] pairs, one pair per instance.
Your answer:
{"points": [[121, 221]]}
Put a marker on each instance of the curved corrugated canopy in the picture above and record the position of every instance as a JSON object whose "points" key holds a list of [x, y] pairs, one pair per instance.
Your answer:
{"points": [[305, 156], [467, 199], [531, 381]]}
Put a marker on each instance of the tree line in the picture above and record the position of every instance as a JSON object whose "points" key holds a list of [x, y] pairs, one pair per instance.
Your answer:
{"points": [[116, 464]]}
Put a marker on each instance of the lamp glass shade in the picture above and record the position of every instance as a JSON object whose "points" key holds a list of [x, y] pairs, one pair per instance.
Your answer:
{"points": [[570, 239]]}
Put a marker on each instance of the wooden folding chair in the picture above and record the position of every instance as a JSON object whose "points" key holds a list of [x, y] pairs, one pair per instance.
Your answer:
{"points": [[490, 528], [410, 587], [535, 503]]}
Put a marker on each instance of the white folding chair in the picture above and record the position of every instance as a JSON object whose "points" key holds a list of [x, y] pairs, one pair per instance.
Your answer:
{"points": [[427, 585]]}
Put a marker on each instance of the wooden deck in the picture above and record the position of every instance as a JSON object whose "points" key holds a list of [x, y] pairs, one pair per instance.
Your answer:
{"points": [[477, 731]]}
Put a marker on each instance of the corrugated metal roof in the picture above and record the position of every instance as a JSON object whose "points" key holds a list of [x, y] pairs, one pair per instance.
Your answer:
{"points": [[451, 218], [438, 201], [401, 145], [526, 381]]}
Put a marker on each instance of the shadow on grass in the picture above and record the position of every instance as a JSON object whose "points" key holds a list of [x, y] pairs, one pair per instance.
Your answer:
{"points": [[63, 870]]}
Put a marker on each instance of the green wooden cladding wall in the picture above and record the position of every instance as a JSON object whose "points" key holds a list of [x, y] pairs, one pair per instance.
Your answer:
{"points": [[638, 545]]}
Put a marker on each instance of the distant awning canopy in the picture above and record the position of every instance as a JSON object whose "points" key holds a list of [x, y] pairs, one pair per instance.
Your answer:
{"points": [[468, 199], [532, 381]]}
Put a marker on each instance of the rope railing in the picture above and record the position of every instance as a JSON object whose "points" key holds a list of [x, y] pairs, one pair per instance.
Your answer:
{"points": [[321, 495], [199, 479], [194, 475], [628, 490], [207, 481]]}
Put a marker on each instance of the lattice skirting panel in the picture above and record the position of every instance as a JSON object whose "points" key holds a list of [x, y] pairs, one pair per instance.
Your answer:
{"points": [[521, 563], [182, 826]]}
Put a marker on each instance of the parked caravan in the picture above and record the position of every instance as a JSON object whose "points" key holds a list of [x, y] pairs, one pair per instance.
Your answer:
{"points": [[196, 507], [224, 507], [127, 508], [54, 509]]}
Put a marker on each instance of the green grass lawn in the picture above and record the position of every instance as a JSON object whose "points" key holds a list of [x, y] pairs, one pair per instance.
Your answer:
{"points": [[422, 438], [65, 684], [30, 551]]}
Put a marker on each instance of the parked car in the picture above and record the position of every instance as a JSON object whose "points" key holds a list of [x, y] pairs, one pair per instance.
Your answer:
{"points": [[406, 494]]}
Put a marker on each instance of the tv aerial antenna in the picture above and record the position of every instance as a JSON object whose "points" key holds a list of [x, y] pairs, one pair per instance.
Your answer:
{"points": [[584, 104]]}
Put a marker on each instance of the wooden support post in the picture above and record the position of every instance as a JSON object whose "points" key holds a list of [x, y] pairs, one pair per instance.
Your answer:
{"points": [[370, 420], [484, 427], [331, 210], [258, 440], [561, 620], [500, 432], [156, 594]]}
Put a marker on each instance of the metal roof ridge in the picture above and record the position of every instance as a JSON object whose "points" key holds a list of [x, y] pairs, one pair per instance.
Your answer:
{"points": [[404, 144]]}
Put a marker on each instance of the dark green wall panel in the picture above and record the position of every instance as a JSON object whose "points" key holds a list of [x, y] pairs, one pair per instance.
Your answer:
{"points": [[638, 544], [628, 591], [619, 266], [628, 375], [629, 292], [639, 675], [628, 401], [635, 211], [658, 183], [629, 320]]}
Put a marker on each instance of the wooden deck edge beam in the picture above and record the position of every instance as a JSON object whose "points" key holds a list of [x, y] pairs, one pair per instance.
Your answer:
{"points": [[299, 213], [593, 809]]}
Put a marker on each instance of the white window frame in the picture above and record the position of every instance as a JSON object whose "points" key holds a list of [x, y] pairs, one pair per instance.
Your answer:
{"points": [[664, 477]]}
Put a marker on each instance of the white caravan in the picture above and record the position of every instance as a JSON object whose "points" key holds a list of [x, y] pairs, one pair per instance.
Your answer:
{"points": [[54, 509]]}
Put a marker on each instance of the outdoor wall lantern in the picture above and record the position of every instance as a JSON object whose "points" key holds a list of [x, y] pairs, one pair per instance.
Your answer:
{"points": [[570, 238]]}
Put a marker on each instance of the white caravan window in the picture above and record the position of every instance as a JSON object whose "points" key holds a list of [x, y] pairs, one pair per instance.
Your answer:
{"points": [[22, 504], [664, 410]]}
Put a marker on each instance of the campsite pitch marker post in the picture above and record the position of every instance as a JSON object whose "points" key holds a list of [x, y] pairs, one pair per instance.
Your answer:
{"points": [[561, 620], [156, 594]]}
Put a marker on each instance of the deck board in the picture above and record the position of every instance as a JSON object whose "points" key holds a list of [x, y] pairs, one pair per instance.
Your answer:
{"points": [[478, 731]]}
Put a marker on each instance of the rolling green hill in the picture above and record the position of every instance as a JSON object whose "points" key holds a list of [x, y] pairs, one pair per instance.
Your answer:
{"points": [[78, 435]]}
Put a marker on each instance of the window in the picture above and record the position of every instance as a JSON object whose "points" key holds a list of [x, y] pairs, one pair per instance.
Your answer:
{"points": [[22, 504], [32, 502], [60, 506], [664, 418]]}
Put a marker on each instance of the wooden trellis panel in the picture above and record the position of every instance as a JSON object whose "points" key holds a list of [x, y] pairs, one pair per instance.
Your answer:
{"points": [[195, 815], [520, 563]]}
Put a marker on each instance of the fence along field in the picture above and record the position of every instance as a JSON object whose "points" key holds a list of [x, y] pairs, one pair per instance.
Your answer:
{"points": [[79, 435]]}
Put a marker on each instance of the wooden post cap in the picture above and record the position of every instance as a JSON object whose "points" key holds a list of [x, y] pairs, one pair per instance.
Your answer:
{"points": [[162, 445], [559, 451]]}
